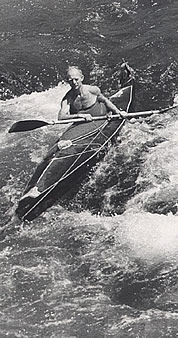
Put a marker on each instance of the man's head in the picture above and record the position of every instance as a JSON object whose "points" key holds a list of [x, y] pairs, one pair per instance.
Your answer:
{"points": [[74, 77]]}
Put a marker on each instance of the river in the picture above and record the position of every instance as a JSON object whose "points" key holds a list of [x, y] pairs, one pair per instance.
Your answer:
{"points": [[106, 265]]}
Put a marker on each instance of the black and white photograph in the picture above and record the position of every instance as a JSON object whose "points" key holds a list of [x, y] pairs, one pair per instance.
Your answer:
{"points": [[89, 169]]}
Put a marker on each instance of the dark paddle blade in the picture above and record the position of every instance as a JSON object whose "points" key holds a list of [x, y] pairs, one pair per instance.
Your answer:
{"points": [[27, 125]]}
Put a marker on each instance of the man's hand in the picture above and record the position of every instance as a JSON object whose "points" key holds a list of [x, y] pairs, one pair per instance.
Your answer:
{"points": [[87, 117], [122, 113], [109, 116]]}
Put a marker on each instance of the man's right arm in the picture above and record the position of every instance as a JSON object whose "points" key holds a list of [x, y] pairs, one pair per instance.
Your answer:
{"points": [[64, 111]]}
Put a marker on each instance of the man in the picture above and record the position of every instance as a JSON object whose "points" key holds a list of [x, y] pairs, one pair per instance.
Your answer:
{"points": [[84, 100]]}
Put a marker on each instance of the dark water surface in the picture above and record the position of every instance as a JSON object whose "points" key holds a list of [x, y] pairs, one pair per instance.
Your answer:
{"points": [[107, 265]]}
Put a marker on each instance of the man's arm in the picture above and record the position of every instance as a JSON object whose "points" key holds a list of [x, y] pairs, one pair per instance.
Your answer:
{"points": [[101, 98], [64, 112], [111, 106]]}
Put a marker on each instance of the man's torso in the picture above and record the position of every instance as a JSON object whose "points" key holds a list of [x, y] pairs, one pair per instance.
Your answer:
{"points": [[82, 101]]}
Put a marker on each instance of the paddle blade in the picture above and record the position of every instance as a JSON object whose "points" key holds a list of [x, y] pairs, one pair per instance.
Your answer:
{"points": [[27, 125]]}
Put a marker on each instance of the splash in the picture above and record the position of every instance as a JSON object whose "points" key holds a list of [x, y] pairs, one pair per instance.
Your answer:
{"points": [[139, 172], [36, 105], [20, 152], [151, 238]]}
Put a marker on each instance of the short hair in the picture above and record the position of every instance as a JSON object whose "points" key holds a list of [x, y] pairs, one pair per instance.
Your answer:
{"points": [[75, 68]]}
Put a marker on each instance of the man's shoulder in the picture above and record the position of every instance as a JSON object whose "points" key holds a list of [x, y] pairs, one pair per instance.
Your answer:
{"points": [[92, 89], [67, 95]]}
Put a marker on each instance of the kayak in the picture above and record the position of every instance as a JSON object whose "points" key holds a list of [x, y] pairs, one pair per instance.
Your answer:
{"points": [[70, 159]]}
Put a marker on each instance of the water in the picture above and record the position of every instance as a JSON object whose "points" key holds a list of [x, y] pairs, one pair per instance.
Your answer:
{"points": [[106, 266]]}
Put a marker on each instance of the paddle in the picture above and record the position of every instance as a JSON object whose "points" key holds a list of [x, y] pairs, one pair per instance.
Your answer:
{"points": [[27, 125]]}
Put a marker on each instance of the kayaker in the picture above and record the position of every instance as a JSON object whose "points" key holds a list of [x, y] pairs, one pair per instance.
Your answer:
{"points": [[84, 100]]}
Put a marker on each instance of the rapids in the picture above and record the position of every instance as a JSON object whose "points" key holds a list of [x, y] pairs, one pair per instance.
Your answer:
{"points": [[113, 247], [106, 263]]}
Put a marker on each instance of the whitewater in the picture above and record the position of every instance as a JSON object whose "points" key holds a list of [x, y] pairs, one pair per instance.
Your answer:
{"points": [[106, 264]]}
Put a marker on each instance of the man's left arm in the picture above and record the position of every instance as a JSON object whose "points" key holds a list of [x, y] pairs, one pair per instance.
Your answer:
{"points": [[110, 106]]}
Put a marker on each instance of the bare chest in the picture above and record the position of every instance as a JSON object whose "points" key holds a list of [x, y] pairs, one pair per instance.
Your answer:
{"points": [[83, 101]]}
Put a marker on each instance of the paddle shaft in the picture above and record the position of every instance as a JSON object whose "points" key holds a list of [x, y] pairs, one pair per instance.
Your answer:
{"points": [[104, 117], [27, 125]]}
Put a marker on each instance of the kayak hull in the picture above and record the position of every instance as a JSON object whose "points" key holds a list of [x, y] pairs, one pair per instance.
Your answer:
{"points": [[69, 160]]}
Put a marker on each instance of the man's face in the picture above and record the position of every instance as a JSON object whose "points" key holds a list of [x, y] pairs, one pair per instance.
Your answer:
{"points": [[74, 78]]}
